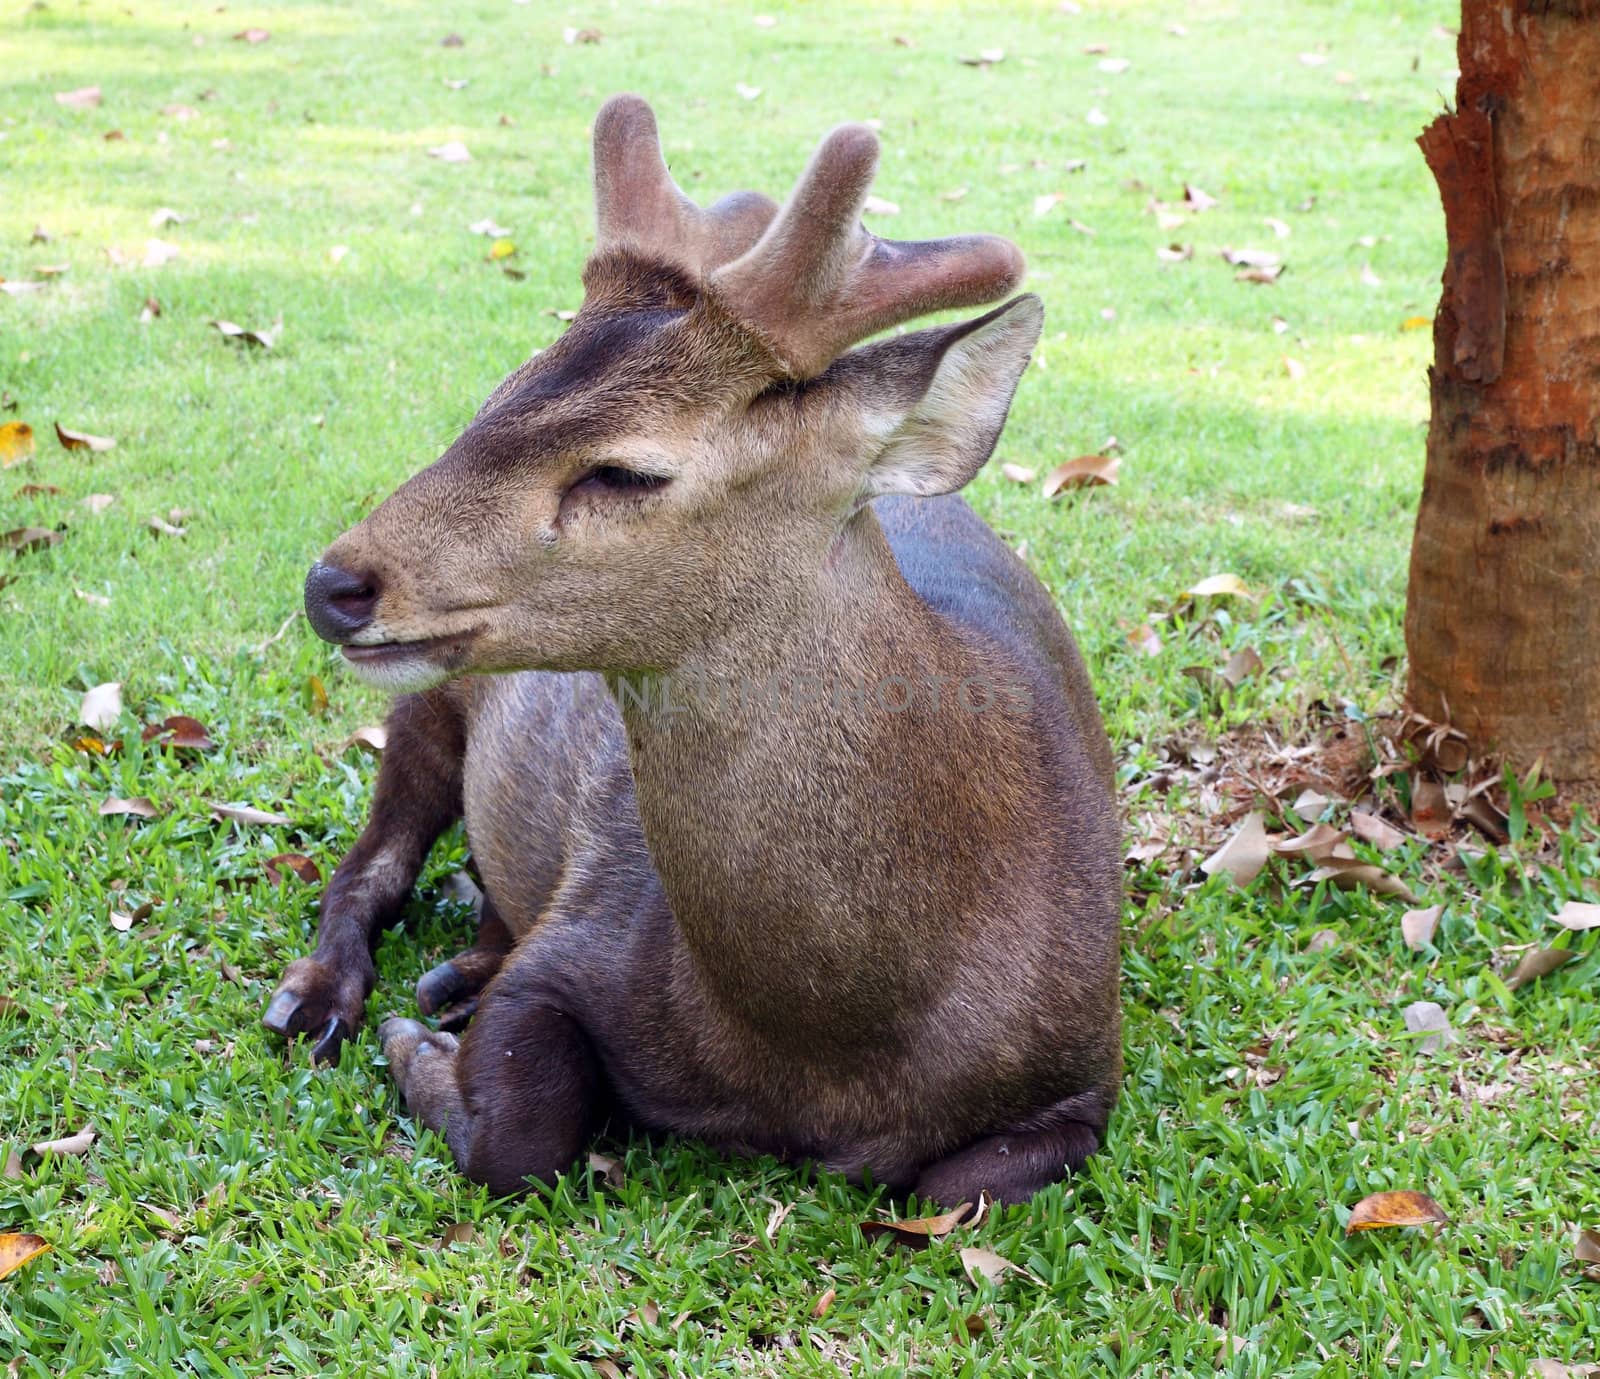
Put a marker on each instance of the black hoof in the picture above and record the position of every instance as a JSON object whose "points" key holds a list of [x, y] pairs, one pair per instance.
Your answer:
{"points": [[454, 1019], [440, 987], [331, 1041], [285, 1014]]}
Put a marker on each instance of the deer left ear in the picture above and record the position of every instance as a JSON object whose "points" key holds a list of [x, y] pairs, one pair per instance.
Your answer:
{"points": [[967, 374]]}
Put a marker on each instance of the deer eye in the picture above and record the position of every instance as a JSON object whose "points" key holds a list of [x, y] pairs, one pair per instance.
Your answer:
{"points": [[616, 480]]}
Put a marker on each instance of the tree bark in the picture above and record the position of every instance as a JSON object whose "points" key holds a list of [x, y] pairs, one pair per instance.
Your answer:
{"points": [[1503, 609]]}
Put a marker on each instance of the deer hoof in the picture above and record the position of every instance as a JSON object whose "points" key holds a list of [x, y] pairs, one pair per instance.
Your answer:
{"points": [[312, 1001], [439, 987], [405, 1042]]}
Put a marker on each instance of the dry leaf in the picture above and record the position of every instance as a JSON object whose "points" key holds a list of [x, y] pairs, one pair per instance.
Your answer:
{"points": [[1175, 253], [1251, 258], [17, 1249], [1579, 916], [1145, 639], [24, 539], [16, 443], [68, 1146], [750, 93], [986, 1265], [607, 1167], [775, 1219], [607, 1369], [1269, 274], [181, 731], [1371, 829], [1431, 814], [1244, 854], [1417, 927], [247, 814], [1386, 1209], [987, 57], [265, 338], [252, 36], [139, 806], [1084, 472], [1043, 205], [1196, 199], [1244, 663], [158, 252], [647, 1314], [295, 864], [452, 152], [1293, 367], [101, 706], [1096, 116], [819, 1309], [372, 739], [1370, 278], [161, 527], [1114, 66], [1586, 1246], [876, 205], [316, 695], [1278, 227], [918, 1231], [1536, 963], [82, 440], [1429, 1018], [489, 228], [1219, 586], [1416, 323], [1018, 474], [954, 194], [1319, 843], [452, 41], [462, 1233], [84, 98], [1351, 876]]}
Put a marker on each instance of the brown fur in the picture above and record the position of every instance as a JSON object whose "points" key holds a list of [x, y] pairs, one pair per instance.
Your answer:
{"points": [[881, 937]]}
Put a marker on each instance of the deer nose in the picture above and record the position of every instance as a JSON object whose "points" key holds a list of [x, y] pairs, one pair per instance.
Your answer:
{"points": [[338, 603]]}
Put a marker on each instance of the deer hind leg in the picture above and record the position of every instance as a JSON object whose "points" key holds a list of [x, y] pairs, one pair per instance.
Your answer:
{"points": [[418, 796], [451, 989], [1011, 1168], [516, 1097]]}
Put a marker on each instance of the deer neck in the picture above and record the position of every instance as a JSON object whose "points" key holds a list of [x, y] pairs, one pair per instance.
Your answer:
{"points": [[795, 796]]}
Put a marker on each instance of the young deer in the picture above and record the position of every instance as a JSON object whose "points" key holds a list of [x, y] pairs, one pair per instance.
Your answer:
{"points": [[762, 865]]}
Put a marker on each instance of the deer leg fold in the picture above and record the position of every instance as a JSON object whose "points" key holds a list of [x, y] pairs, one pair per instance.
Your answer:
{"points": [[418, 796]]}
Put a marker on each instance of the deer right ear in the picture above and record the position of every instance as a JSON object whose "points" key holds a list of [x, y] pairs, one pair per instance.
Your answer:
{"points": [[954, 421]]}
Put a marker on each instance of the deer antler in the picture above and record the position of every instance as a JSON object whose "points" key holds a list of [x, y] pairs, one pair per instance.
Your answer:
{"points": [[817, 281], [640, 209]]}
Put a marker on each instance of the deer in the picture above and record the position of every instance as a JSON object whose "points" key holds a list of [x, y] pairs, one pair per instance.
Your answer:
{"points": [[783, 776]]}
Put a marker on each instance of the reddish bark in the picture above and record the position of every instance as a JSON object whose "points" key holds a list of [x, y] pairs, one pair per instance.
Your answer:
{"points": [[1503, 611]]}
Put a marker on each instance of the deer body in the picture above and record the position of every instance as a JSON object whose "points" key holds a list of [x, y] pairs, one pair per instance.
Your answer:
{"points": [[807, 845]]}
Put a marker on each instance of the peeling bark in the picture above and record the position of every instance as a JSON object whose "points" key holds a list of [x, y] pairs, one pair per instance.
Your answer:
{"points": [[1503, 610]]}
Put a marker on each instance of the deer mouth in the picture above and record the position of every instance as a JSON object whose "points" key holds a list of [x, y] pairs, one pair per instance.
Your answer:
{"points": [[399, 663]]}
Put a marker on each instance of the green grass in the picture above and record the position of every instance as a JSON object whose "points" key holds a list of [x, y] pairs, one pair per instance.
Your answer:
{"points": [[308, 1210]]}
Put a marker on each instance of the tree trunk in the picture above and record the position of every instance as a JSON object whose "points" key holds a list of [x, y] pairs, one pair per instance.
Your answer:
{"points": [[1503, 610]]}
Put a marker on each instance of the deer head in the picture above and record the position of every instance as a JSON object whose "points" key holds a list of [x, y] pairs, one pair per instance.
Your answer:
{"points": [[681, 460]]}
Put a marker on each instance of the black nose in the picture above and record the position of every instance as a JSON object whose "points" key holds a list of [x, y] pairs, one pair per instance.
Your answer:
{"points": [[338, 603]]}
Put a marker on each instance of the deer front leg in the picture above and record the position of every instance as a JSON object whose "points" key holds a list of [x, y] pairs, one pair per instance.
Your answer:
{"points": [[418, 796], [517, 1096]]}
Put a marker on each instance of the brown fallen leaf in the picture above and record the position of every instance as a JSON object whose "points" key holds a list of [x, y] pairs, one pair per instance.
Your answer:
{"points": [[1244, 854], [1269, 274], [647, 1313], [371, 739], [83, 98], [1353, 876], [1383, 1210], [139, 806], [1196, 199], [1536, 963], [1320, 843], [1219, 586], [25, 539], [1018, 474], [82, 440], [819, 1308], [265, 338], [295, 864], [161, 527], [1371, 829], [247, 814], [1175, 252], [252, 36], [1047, 202], [916, 1232], [12, 1171], [1431, 814], [69, 1145], [775, 1219], [986, 1266], [607, 1167], [16, 443], [1084, 472], [38, 491], [1417, 927], [98, 502], [170, 1219], [181, 731], [18, 1248], [101, 707], [452, 41], [452, 152], [1586, 1245], [462, 1233], [1578, 916], [608, 1369]]}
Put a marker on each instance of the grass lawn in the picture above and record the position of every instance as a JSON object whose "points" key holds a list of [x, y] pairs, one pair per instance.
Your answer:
{"points": [[240, 1213]]}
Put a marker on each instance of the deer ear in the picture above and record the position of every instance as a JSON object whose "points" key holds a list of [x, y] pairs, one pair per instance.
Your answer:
{"points": [[967, 375]]}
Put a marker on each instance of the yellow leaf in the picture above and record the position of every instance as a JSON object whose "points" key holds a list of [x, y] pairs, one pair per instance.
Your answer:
{"points": [[1416, 323], [16, 1250], [502, 249], [1217, 586], [16, 443], [1385, 1209]]}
